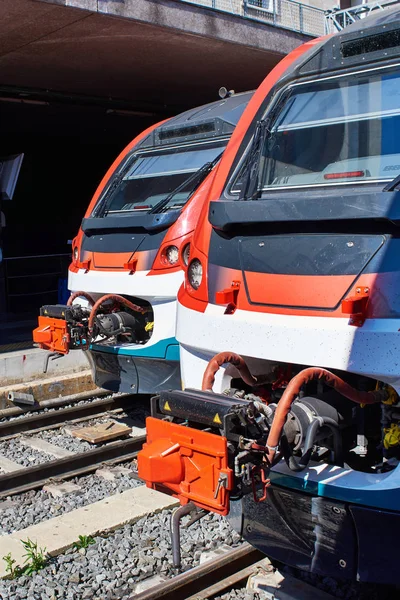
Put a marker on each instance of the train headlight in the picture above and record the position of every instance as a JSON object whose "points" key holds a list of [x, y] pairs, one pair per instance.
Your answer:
{"points": [[195, 274], [172, 255], [75, 254], [186, 254]]}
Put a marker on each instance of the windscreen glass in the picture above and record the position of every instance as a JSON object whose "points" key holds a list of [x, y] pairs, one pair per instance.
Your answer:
{"points": [[165, 178], [342, 130]]}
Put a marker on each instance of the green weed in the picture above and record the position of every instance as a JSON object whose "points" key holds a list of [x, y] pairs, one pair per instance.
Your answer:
{"points": [[84, 542], [35, 560], [35, 557], [12, 571]]}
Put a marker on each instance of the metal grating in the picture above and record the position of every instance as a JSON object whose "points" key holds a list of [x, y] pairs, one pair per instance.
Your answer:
{"points": [[287, 14], [337, 20]]}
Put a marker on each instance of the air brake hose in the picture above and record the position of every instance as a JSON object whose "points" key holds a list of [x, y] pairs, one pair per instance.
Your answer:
{"points": [[80, 294], [220, 359], [117, 298]]}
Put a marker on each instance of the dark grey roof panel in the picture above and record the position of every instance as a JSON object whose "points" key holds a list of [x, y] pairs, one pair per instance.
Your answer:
{"points": [[207, 122], [228, 109]]}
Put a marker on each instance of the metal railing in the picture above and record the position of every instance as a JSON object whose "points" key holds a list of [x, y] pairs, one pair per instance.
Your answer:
{"points": [[336, 20], [288, 14], [33, 279]]}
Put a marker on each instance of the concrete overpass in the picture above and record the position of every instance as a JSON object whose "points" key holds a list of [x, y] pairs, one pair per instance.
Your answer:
{"points": [[154, 54]]}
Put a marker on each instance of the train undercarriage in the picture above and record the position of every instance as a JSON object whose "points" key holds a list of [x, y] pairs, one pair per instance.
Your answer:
{"points": [[297, 458]]}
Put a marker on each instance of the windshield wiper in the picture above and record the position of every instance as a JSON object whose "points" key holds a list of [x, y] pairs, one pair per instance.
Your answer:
{"points": [[196, 178], [392, 185], [252, 163], [100, 209]]}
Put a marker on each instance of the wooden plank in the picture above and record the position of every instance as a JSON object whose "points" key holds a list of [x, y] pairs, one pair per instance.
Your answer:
{"points": [[103, 432]]}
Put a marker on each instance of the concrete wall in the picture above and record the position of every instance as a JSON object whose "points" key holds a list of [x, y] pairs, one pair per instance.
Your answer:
{"points": [[193, 19]]}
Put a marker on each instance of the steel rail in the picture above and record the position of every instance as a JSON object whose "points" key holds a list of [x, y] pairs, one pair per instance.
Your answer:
{"points": [[41, 420], [14, 411], [227, 570], [30, 478], [236, 580]]}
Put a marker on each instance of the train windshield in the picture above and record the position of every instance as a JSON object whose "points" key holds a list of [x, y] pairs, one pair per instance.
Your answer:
{"points": [[158, 179], [336, 131]]}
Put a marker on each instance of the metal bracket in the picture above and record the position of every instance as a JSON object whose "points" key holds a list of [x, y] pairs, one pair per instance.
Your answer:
{"points": [[50, 356], [222, 482]]}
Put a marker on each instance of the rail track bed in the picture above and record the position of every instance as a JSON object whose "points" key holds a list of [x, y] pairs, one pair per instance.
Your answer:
{"points": [[28, 439]]}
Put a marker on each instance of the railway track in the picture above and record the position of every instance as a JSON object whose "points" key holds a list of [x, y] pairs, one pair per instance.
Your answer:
{"points": [[243, 569], [20, 478], [211, 579]]}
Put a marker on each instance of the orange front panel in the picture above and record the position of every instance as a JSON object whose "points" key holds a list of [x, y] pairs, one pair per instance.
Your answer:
{"points": [[110, 260], [188, 463], [308, 291], [52, 334]]}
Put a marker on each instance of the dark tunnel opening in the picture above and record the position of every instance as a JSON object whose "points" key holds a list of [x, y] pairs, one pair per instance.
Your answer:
{"points": [[67, 150]]}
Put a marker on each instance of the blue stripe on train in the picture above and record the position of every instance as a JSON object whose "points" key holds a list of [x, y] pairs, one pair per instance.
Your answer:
{"points": [[380, 490], [167, 349]]}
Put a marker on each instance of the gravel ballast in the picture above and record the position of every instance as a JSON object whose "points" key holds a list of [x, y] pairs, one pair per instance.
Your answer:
{"points": [[31, 413], [140, 410], [63, 439], [112, 567], [18, 512], [28, 457]]}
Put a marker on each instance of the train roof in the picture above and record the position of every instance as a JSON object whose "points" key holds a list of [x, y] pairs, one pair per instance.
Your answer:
{"points": [[375, 38], [213, 120]]}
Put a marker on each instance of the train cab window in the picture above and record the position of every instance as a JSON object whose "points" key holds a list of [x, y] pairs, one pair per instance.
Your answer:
{"points": [[148, 178], [341, 130]]}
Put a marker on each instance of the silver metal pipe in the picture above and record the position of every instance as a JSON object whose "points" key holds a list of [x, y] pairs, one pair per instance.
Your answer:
{"points": [[175, 528]]}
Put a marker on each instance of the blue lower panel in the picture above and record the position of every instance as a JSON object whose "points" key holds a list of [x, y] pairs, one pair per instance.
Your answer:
{"points": [[321, 536], [121, 373]]}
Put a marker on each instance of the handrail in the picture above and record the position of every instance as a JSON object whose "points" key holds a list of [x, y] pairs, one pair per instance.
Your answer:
{"points": [[285, 14]]}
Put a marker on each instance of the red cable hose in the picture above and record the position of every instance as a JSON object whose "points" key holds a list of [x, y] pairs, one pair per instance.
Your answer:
{"points": [[291, 392], [226, 357], [77, 294], [119, 299]]}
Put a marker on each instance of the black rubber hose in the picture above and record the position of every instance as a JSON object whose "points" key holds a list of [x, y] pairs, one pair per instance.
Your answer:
{"points": [[113, 332], [316, 424], [337, 440], [312, 431]]}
